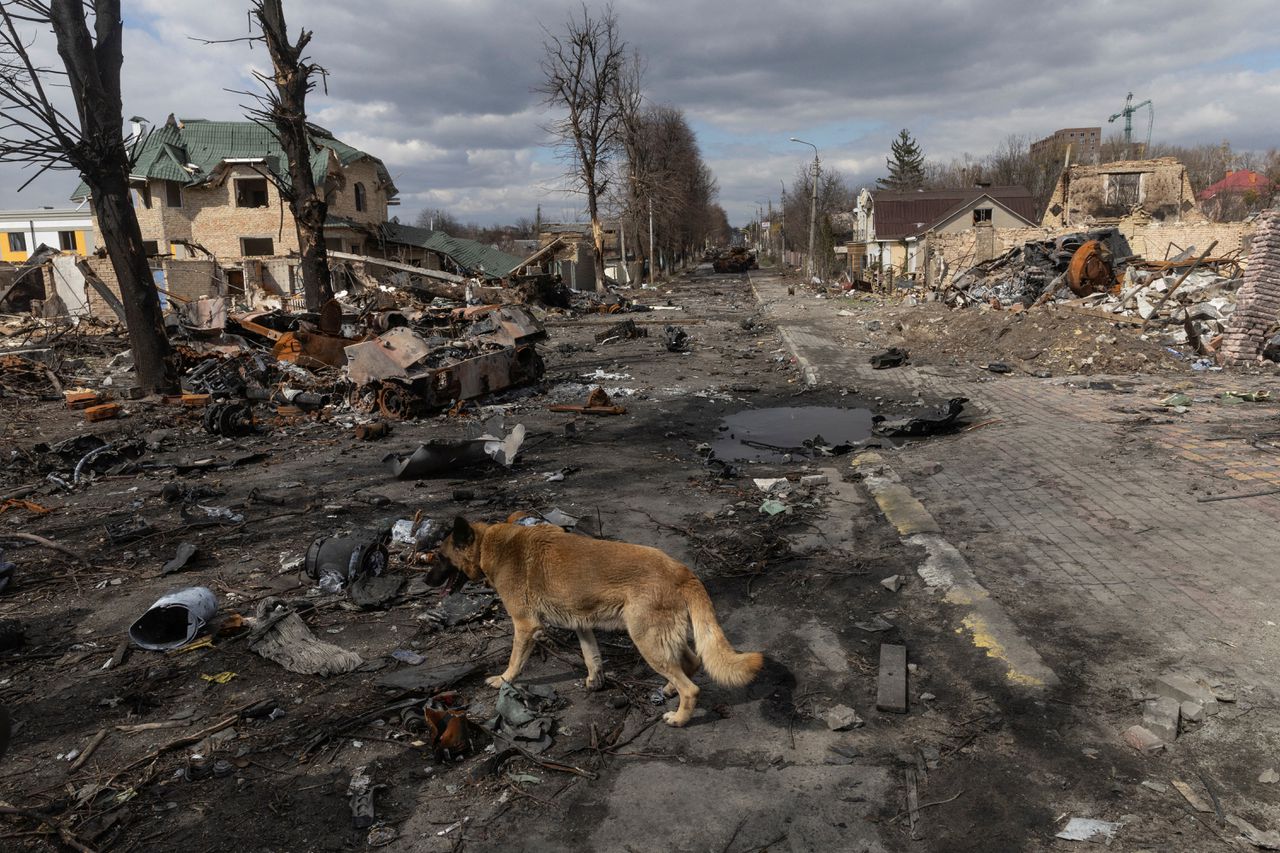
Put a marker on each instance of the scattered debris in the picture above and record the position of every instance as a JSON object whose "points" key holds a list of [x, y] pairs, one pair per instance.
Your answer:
{"points": [[175, 619], [1142, 739], [441, 457], [891, 681], [892, 357], [281, 636], [841, 718], [1088, 829], [1193, 799], [521, 716], [336, 561], [923, 425], [598, 403]]}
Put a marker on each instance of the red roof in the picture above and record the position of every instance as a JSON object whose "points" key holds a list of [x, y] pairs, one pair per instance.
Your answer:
{"points": [[1242, 181], [902, 213]]}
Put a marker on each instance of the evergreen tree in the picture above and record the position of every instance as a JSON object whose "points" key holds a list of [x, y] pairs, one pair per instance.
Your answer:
{"points": [[906, 164]]}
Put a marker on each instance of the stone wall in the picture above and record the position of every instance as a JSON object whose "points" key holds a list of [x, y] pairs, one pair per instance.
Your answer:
{"points": [[953, 253], [1258, 300], [190, 279], [184, 279], [1156, 241]]}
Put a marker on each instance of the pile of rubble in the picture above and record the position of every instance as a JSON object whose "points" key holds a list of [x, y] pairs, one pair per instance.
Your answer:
{"points": [[1189, 296]]}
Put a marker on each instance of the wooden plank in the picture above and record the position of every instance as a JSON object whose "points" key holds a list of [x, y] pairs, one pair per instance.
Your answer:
{"points": [[891, 683]]}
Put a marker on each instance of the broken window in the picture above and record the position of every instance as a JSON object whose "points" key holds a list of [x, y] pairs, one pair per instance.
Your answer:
{"points": [[1124, 190], [257, 246], [17, 241], [333, 244], [981, 214], [67, 241], [172, 194], [151, 247], [251, 192], [142, 195], [235, 282], [359, 193]]}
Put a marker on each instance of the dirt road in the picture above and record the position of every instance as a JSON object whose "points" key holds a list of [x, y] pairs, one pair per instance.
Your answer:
{"points": [[981, 761]]}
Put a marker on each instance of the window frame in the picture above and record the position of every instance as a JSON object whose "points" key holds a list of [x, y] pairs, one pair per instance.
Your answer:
{"points": [[20, 239], [64, 248], [169, 189], [244, 253], [236, 193], [361, 197]]}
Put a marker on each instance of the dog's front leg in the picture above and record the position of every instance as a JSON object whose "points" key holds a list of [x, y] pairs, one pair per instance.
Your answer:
{"points": [[521, 647], [591, 656]]}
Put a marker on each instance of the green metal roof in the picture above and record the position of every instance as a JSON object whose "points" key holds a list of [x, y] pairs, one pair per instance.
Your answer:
{"points": [[472, 256], [167, 152]]}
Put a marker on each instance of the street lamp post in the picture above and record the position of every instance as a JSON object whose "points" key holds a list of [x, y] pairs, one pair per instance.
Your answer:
{"points": [[813, 202]]}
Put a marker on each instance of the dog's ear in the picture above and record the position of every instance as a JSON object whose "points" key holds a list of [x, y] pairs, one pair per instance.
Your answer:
{"points": [[463, 534]]}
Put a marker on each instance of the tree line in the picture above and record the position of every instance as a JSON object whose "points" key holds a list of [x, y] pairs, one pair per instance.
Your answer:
{"points": [[631, 159]]}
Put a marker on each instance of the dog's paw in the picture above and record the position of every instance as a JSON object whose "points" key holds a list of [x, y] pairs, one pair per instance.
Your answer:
{"points": [[672, 718], [595, 682], [495, 682]]}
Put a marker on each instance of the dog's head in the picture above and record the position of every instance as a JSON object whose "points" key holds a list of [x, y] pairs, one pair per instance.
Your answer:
{"points": [[461, 549]]}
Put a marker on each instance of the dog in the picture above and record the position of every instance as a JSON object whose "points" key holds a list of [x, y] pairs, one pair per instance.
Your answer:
{"points": [[546, 576]]}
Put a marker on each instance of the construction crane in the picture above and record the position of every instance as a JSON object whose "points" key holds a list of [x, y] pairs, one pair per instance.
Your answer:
{"points": [[1129, 109]]}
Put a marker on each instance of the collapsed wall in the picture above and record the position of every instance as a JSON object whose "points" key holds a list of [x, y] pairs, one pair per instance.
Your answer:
{"points": [[1258, 301]]}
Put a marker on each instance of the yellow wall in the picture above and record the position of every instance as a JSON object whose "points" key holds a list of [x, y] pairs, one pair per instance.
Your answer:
{"points": [[13, 257]]}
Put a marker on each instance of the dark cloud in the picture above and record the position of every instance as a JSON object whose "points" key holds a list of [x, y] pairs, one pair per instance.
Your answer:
{"points": [[444, 91]]}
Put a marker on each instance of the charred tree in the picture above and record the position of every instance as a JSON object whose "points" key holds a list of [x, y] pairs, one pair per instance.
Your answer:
{"points": [[284, 108], [580, 70], [37, 131]]}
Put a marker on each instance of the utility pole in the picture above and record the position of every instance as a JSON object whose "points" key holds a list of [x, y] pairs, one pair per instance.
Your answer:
{"points": [[652, 259], [813, 202]]}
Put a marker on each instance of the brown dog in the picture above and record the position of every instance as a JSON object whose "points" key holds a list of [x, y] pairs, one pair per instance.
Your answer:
{"points": [[547, 576]]}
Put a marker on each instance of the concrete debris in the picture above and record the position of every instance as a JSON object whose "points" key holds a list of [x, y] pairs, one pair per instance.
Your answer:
{"points": [[1269, 840], [1160, 717], [893, 583], [1184, 688], [1269, 776], [1088, 829], [1142, 739], [841, 718]]}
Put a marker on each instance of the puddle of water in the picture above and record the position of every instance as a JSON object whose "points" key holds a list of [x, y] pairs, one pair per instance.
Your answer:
{"points": [[768, 435]]}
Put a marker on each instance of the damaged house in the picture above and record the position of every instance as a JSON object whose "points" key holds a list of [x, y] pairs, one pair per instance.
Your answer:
{"points": [[893, 225], [202, 189], [1103, 194]]}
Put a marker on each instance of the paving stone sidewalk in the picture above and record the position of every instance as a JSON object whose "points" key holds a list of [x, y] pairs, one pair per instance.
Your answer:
{"points": [[1078, 507]]}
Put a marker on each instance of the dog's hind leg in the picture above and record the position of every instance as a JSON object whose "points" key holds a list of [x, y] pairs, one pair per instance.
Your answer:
{"points": [[690, 663], [521, 647], [591, 656], [660, 650]]}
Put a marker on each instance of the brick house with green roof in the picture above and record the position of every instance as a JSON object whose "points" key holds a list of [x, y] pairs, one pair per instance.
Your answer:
{"points": [[203, 185]]}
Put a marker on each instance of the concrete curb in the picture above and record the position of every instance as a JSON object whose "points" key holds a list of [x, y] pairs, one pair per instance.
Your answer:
{"points": [[807, 369], [947, 571]]}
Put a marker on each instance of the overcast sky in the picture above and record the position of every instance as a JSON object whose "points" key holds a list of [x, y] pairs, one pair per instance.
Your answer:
{"points": [[442, 91]]}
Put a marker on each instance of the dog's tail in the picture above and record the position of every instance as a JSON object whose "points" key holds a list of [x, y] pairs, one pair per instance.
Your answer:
{"points": [[724, 665]]}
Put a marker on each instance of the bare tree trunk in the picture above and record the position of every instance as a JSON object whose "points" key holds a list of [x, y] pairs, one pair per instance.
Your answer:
{"points": [[153, 358], [93, 71], [286, 110], [597, 239]]}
